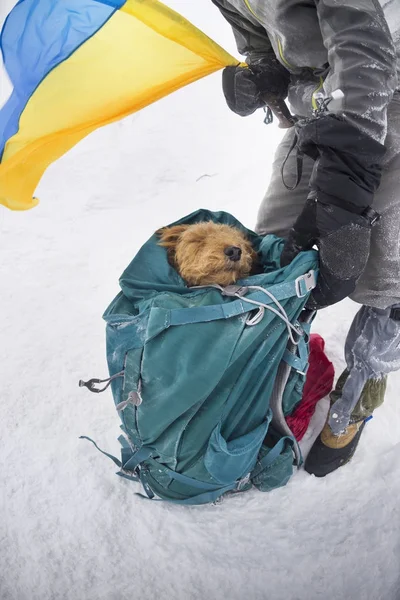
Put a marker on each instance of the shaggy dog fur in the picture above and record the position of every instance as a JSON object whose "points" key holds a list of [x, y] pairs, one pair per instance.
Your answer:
{"points": [[208, 253]]}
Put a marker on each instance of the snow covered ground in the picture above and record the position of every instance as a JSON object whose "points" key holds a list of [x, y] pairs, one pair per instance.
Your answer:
{"points": [[69, 528]]}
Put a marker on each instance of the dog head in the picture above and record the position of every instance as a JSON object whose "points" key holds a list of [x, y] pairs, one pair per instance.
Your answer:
{"points": [[208, 253]]}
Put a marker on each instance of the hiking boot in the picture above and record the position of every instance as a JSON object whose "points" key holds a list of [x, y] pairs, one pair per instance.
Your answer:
{"points": [[329, 452]]}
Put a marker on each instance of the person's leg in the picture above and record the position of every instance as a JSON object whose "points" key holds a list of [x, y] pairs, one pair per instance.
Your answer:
{"points": [[371, 346], [372, 351], [379, 285], [373, 343], [280, 206]]}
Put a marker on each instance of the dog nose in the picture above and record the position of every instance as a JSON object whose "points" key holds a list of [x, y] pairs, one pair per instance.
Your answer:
{"points": [[233, 253]]}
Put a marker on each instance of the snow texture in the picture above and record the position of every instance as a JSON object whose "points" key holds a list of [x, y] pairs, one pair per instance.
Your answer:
{"points": [[69, 528]]}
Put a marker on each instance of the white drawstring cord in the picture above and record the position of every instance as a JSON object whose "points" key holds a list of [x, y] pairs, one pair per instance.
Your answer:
{"points": [[281, 313]]}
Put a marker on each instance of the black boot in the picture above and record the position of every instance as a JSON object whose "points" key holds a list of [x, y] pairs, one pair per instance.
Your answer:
{"points": [[329, 452]]}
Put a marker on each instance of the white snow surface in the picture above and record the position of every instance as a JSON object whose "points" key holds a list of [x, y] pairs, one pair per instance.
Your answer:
{"points": [[69, 528]]}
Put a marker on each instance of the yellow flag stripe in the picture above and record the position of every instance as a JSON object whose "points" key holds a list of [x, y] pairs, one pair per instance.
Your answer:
{"points": [[144, 52]]}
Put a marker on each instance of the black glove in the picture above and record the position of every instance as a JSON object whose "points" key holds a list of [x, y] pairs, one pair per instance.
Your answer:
{"points": [[337, 216], [245, 87], [343, 240]]}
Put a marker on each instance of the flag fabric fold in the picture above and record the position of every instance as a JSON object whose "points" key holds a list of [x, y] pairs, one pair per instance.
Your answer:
{"points": [[76, 65]]}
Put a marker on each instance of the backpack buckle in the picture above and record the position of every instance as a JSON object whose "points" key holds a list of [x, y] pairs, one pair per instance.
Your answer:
{"points": [[242, 483], [235, 290], [257, 318], [305, 283]]}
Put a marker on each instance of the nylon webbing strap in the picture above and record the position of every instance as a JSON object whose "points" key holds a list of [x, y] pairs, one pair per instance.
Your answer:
{"points": [[113, 458], [128, 477], [210, 492], [136, 458], [204, 314], [130, 459], [201, 314], [299, 363], [123, 441], [202, 485], [303, 353], [206, 497], [272, 455], [292, 360]]}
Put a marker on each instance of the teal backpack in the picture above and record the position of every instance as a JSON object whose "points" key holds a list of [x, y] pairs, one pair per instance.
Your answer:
{"points": [[202, 379]]}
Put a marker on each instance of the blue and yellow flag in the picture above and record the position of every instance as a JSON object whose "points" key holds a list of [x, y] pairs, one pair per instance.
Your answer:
{"points": [[76, 65]]}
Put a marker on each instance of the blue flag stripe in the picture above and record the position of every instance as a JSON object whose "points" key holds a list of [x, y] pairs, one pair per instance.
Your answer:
{"points": [[37, 36]]}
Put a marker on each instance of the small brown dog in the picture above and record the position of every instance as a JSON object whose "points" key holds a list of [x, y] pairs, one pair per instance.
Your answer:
{"points": [[208, 253]]}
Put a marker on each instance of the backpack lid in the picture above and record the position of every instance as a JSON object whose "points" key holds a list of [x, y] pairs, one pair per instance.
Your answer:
{"points": [[150, 273]]}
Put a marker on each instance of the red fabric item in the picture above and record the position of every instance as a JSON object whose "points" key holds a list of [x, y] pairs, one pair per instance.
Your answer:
{"points": [[319, 382]]}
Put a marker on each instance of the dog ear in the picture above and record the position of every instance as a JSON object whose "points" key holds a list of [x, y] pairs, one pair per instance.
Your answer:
{"points": [[257, 267], [169, 236]]}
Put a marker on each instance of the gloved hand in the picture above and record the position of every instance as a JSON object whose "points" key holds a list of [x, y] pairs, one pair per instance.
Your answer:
{"points": [[343, 240], [244, 87], [337, 216]]}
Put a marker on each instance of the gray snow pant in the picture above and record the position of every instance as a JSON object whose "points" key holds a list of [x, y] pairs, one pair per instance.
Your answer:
{"points": [[373, 344]]}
